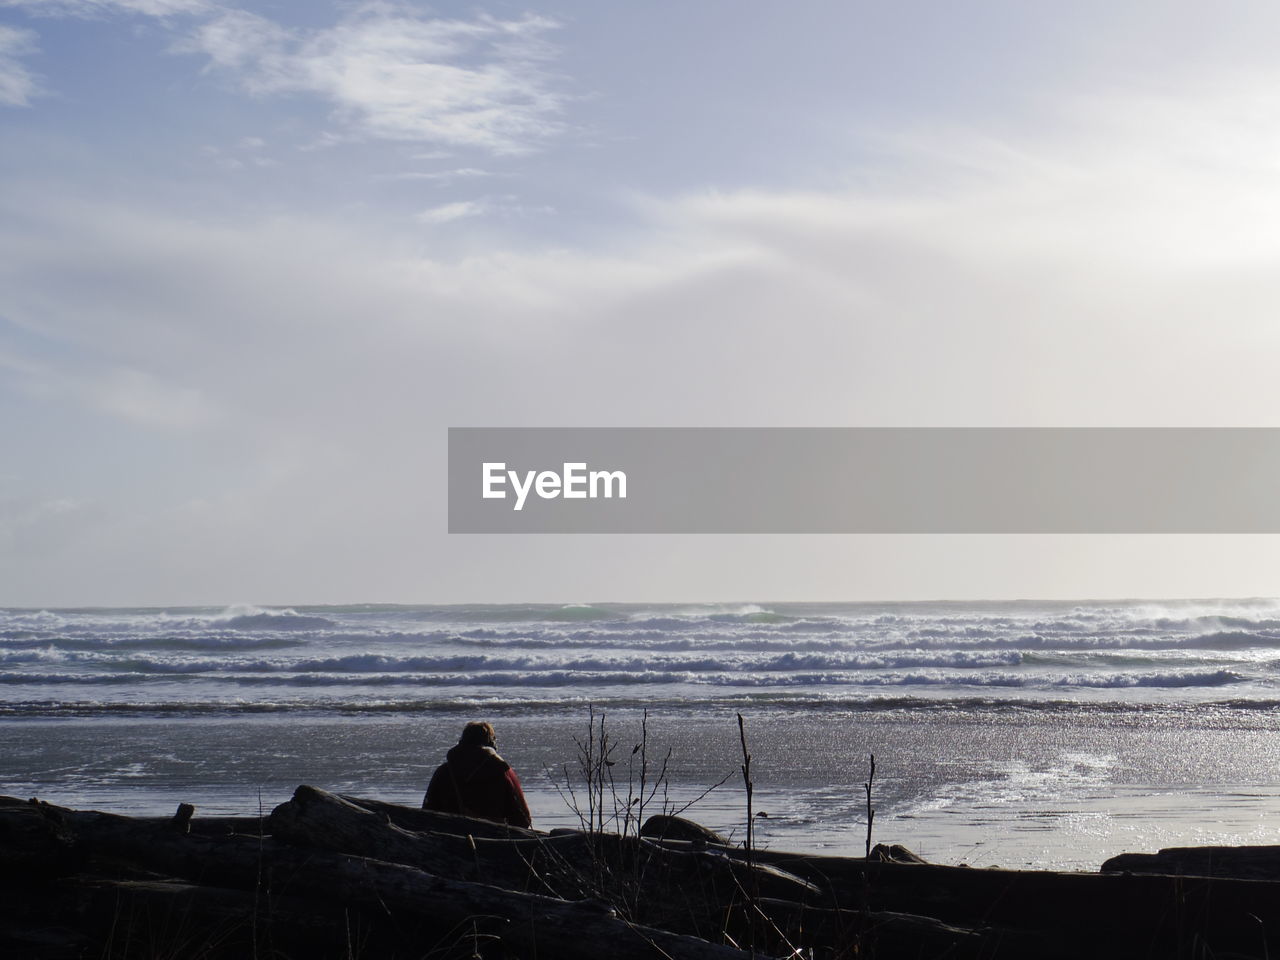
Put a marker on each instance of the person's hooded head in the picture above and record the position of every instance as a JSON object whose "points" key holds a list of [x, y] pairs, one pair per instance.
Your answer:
{"points": [[477, 733], [475, 751]]}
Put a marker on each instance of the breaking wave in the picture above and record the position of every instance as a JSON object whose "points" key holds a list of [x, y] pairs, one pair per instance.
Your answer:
{"points": [[675, 654]]}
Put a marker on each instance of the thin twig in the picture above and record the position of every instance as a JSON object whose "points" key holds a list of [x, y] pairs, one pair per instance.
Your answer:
{"points": [[871, 814], [753, 895]]}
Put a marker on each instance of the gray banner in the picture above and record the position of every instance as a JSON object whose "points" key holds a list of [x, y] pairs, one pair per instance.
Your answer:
{"points": [[864, 480]]}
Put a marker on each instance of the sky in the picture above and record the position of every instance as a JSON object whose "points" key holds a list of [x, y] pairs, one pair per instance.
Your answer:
{"points": [[256, 258]]}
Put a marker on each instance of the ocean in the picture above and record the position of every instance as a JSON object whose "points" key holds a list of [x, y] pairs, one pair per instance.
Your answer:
{"points": [[1046, 734]]}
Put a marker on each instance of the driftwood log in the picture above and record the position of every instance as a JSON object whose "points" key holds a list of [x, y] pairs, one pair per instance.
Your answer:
{"points": [[327, 876], [690, 891], [393, 909], [1240, 863], [693, 888], [1063, 914]]}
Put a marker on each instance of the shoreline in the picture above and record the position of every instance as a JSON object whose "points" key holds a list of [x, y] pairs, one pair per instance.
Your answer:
{"points": [[1144, 820], [989, 789]]}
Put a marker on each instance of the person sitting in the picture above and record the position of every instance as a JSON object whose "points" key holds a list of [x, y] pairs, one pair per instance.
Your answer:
{"points": [[476, 782]]}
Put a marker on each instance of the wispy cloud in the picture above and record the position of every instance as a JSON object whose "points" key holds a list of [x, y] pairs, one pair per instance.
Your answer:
{"points": [[393, 74], [245, 154], [17, 83], [97, 8], [447, 212], [441, 176], [501, 205]]}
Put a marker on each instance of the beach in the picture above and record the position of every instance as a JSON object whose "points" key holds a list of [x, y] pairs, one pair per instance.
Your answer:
{"points": [[1018, 734]]}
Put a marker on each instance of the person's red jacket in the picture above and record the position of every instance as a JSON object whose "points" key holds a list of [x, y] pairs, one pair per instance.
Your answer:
{"points": [[475, 781]]}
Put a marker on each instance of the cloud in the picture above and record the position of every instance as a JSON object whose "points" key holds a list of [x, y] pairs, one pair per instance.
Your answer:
{"points": [[504, 205], [246, 153], [98, 8], [447, 212], [1116, 271], [17, 83], [392, 74], [442, 177]]}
